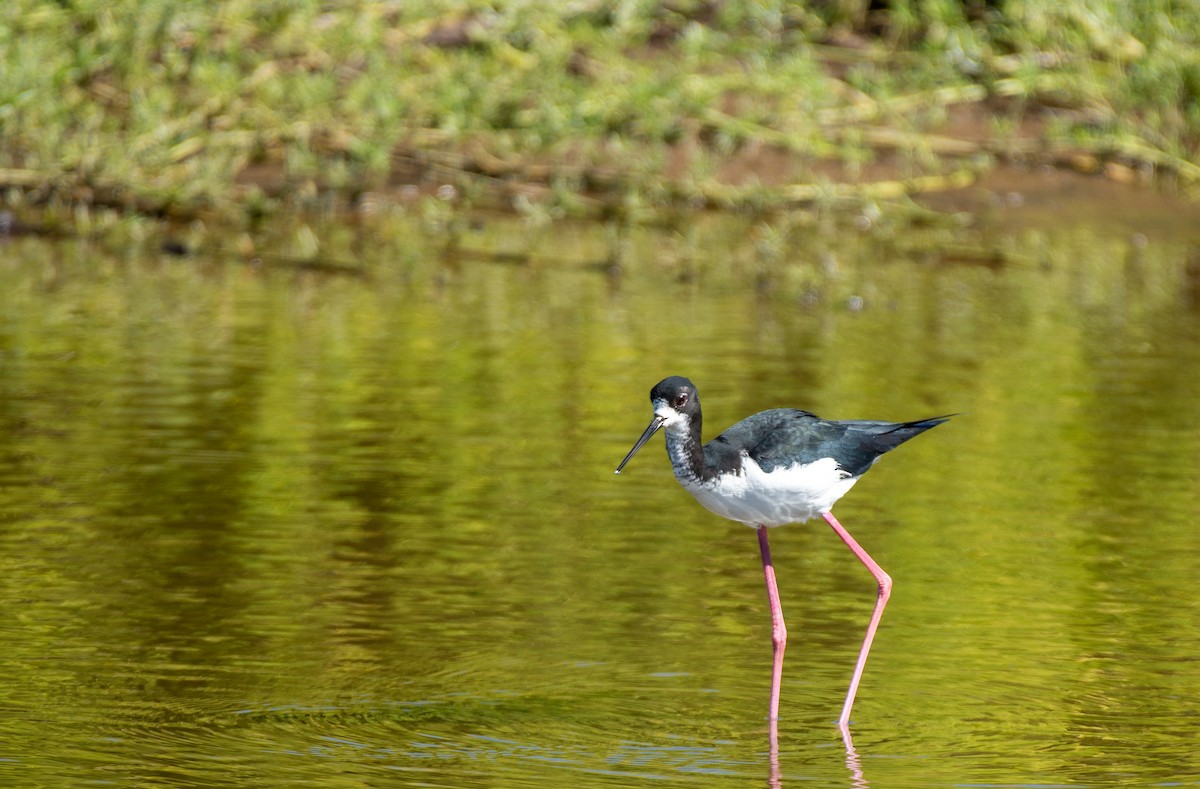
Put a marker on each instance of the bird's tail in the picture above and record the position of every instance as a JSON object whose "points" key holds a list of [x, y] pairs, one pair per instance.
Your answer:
{"points": [[893, 434]]}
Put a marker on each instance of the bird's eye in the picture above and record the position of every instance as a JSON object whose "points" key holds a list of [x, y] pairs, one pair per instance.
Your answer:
{"points": [[680, 400]]}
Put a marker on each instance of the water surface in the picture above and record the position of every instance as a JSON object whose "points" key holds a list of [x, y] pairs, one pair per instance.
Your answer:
{"points": [[272, 526]]}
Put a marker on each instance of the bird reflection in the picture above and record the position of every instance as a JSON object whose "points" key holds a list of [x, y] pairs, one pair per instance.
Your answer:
{"points": [[853, 762], [775, 781]]}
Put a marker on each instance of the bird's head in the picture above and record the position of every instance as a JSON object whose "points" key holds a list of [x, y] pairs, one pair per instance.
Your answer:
{"points": [[676, 407]]}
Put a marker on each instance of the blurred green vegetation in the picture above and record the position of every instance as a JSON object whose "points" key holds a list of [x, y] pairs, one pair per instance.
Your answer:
{"points": [[183, 107]]}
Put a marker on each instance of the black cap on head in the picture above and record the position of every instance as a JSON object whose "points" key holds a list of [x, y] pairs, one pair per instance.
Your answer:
{"points": [[677, 392]]}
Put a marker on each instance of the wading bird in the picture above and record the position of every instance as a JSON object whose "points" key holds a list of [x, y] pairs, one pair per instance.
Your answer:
{"points": [[775, 467]]}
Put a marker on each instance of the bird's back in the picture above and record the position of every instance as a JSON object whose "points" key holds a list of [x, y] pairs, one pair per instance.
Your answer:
{"points": [[783, 437]]}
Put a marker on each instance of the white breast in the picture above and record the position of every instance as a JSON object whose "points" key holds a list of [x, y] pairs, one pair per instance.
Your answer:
{"points": [[785, 495]]}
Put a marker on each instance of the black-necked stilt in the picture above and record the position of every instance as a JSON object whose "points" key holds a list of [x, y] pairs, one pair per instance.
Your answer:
{"points": [[775, 467]]}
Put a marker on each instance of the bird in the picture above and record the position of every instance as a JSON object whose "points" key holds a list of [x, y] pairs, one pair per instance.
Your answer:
{"points": [[779, 466]]}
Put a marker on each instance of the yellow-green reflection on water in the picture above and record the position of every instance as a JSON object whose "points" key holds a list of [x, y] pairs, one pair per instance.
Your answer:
{"points": [[263, 526]]}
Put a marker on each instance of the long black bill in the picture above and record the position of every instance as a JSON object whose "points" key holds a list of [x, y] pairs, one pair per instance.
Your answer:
{"points": [[653, 427]]}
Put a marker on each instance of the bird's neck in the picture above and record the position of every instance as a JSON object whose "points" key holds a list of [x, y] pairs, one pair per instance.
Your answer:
{"points": [[686, 452]]}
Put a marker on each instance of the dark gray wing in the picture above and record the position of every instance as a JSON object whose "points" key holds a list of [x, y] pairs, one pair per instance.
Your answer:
{"points": [[784, 436]]}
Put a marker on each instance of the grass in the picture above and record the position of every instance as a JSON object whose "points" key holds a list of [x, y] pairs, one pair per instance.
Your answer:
{"points": [[183, 108]]}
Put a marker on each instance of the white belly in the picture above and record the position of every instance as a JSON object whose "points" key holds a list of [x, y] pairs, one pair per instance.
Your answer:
{"points": [[786, 495]]}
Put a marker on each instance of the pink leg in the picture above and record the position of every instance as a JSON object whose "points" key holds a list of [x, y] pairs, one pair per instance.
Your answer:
{"points": [[885, 591], [778, 628]]}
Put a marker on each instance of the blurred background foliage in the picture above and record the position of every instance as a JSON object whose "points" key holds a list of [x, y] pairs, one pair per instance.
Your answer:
{"points": [[184, 108]]}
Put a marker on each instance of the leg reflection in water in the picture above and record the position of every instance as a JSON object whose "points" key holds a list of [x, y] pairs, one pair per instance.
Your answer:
{"points": [[853, 763]]}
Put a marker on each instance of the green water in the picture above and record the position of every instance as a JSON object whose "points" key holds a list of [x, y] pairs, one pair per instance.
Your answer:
{"points": [[269, 526]]}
